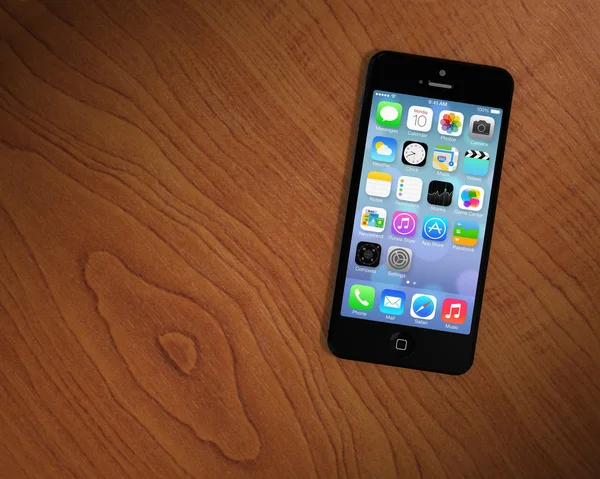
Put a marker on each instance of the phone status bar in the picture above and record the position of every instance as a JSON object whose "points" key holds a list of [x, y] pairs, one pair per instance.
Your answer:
{"points": [[444, 103], [385, 95]]}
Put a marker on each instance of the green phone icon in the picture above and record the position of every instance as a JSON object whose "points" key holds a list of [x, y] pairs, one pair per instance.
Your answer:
{"points": [[389, 113], [361, 297]]}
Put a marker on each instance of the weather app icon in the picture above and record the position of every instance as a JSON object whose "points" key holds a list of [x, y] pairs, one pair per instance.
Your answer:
{"points": [[384, 149]]}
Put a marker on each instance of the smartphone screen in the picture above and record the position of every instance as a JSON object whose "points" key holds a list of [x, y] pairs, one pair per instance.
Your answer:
{"points": [[421, 212]]}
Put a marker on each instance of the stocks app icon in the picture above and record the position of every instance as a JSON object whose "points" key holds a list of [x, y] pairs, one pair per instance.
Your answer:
{"points": [[440, 193]]}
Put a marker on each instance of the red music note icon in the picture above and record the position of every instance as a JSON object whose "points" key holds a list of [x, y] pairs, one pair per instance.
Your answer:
{"points": [[454, 311]]}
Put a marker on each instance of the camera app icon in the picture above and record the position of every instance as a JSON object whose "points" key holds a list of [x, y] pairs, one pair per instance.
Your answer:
{"points": [[481, 127]]}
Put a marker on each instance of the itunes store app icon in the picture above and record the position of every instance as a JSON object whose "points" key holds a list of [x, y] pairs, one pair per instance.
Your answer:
{"points": [[404, 223]]}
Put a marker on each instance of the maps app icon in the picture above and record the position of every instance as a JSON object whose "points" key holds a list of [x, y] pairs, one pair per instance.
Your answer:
{"points": [[445, 158]]}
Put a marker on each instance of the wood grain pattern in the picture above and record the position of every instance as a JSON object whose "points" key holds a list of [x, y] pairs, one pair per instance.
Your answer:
{"points": [[172, 180]]}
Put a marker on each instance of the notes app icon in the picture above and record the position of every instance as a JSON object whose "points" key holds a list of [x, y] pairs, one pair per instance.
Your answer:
{"points": [[454, 311], [379, 184]]}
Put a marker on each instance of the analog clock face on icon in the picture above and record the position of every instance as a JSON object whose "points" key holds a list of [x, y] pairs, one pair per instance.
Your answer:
{"points": [[414, 153]]}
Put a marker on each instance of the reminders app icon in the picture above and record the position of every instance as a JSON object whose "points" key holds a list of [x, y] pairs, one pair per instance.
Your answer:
{"points": [[392, 302]]}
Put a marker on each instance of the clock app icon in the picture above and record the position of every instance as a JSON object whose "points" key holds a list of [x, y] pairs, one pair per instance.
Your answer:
{"points": [[414, 153]]}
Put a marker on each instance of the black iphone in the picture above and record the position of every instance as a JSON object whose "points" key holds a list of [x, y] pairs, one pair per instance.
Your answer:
{"points": [[420, 211]]}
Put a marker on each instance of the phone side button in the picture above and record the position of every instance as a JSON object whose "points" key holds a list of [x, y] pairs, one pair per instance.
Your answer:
{"points": [[401, 345]]}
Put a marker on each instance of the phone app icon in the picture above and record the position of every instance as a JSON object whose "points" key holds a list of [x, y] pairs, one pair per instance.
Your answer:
{"points": [[399, 258], [389, 114], [481, 127], [450, 123], [435, 228], [404, 223], [470, 198], [454, 311], [368, 254], [445, 158], [379, 184], [409, 188], [440, 193], [476, 162], [414, 153], [423, 306], [392, 302], [361, 297], [465, 233], [419, 118], [373, 219], [384, 149]]}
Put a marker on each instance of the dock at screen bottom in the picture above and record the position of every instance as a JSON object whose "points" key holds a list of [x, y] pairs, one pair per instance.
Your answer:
{"points": [[408, 306]]}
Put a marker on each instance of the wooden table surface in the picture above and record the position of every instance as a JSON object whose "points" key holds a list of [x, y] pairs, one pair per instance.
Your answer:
{"points": [[172, 184]]}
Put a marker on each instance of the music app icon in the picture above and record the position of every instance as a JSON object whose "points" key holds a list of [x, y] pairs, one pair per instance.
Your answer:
{"points": [[454, 311], [404, 223]]}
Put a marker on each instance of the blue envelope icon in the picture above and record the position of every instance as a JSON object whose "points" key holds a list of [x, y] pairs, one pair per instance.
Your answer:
{"points": [[392, 302]]}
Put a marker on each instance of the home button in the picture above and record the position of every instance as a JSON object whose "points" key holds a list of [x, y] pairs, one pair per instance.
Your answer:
{"points": [[401, 344]]}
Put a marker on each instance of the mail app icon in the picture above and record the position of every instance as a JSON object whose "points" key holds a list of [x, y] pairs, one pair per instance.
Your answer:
{"points": [[392, 302]]}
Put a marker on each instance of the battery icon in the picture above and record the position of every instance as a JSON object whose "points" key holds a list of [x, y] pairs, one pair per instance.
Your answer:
{"points": [[497, 112]]}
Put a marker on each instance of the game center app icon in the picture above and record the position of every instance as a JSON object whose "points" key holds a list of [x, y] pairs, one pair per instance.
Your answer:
{"points": [[373, 219], [470, 198], [389, 114], [445, 158], [454, 311], [409, 188], [383, 149], [450, 123], [423, 306], [404, 223], [465, 233]]}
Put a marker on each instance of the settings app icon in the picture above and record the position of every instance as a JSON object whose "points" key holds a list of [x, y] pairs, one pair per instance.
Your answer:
{"points": [[399, 258]]}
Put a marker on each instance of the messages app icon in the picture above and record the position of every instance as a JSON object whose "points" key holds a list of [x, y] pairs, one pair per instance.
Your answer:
{"points": [[389, 114]]}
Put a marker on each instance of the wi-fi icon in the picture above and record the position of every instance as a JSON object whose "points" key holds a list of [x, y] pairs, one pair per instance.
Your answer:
{"points": [[393, 96]]}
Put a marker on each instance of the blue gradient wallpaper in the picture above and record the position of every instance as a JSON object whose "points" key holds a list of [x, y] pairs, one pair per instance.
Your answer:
{"points": [[421, 212]]}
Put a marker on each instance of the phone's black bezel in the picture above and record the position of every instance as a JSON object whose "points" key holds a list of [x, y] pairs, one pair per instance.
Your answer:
{"points": [[364, 340]]}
